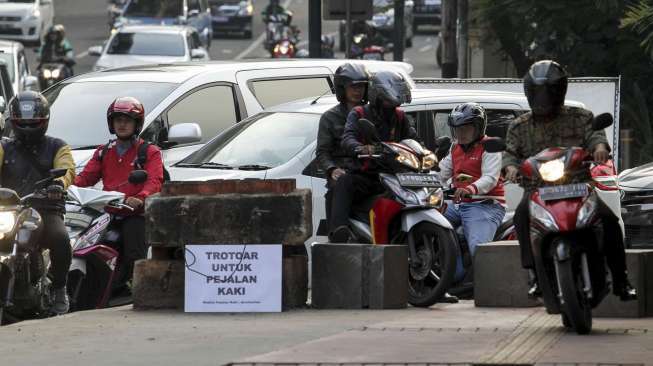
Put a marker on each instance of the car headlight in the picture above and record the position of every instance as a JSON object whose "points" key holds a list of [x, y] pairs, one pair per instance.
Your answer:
{"points": [[429, 160], [553, 170], [56, 73], [35, 14], [7, 222], [406, 158], [435, 198], [47, 73], [245, 10]]}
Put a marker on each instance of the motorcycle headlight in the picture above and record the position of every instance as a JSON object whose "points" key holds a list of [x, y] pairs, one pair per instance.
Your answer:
{"points": [[435, 198], [406, 158], [358, 38], [587, 211], [7, 222], [429, 160], [553, 170], [47, 74], [56, 73]]}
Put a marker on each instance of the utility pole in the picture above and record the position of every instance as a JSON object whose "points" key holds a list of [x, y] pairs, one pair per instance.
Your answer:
{"points": [[449, 49], [348, 29], [463, 37], [398, 46], [314, 29]]}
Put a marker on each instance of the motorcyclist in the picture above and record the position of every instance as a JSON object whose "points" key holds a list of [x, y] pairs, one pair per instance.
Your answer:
{"points": [[57, 49], [473, 172], [387, 90], [276, 13], [551, 124], [26, 158], [112, 163], [350, 81]]}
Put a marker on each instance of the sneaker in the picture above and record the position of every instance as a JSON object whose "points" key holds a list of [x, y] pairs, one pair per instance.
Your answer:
{"points": [[625, 291], [61, 304], [534, 288], [341, 234], [448, 299]]}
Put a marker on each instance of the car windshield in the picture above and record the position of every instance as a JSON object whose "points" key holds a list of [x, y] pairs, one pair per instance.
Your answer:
{"points": [[147, 44], [155, 8], [264, 140], [79, 110], [8, 59]]}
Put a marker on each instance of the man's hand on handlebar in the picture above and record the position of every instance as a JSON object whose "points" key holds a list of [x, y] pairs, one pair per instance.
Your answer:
{"points": [[460, 194], [601, 153], [55, 191], [134, 203], [511, 173]]}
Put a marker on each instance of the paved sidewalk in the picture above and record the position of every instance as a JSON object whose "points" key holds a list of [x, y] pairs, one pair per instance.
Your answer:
{"points": [[442, 334]]}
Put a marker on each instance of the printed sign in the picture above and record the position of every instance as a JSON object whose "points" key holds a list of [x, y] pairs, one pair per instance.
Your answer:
{"points": [[233, 278]]}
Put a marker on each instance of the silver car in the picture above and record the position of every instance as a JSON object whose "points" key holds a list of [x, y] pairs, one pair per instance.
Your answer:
{"points": [[13, 54]]}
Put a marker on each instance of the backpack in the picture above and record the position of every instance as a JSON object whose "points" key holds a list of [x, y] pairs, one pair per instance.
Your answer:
{"points": [[141, 158], [399, 113]]}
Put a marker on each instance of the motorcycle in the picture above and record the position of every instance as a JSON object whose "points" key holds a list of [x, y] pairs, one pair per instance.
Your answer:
{"points": [[91, 218], [51, 73], [362, 48], [408, 213], [25, 288], [566, 229]]}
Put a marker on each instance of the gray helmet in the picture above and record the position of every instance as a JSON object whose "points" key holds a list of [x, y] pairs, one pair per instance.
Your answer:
{"points": [[468, 113], [388, 86], [349, 74]]}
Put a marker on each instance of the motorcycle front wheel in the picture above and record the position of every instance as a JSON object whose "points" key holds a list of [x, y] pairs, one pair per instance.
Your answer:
{"points": [[576, 307], [432, 272]]}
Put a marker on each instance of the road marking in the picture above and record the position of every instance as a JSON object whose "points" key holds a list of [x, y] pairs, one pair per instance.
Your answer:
{"points": [[258, 41], [81, 55], [428, 47]]}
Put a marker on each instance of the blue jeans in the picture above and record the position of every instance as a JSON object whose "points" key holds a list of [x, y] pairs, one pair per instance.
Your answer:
{"points": [[479, 221]]}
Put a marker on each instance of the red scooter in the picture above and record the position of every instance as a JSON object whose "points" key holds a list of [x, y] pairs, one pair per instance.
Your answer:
{"points": [[566, 230]]}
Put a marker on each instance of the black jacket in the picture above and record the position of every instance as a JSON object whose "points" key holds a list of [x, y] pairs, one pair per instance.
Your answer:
{"points": [[330, 154]]}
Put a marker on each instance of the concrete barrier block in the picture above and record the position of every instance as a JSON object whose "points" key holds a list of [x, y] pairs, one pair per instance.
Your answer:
{"points": [[158, 284], [640, 269], [265, 218], [499, 279], [356, 276]]}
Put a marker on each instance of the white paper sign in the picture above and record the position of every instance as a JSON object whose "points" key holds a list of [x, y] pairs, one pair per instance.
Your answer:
{"points": [[233, 278]]}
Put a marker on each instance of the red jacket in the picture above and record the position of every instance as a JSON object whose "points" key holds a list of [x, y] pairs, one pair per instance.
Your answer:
{"points": [[114, 171], [471, 163]]}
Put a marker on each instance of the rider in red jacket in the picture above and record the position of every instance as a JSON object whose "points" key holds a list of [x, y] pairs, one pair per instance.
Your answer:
{"points": [[112, 163]]}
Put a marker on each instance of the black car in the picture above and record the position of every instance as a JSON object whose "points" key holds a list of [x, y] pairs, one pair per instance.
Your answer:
{"points": [[427, 12], [232, 16], [637, 205]]}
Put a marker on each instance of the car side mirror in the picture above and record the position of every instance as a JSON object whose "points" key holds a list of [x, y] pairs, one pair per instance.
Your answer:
{"points": [[184, 133], [137, 177], [31, 82], [368, 130], [95, 51], [602, 121], [3, 105], [197, 54], [494, 145]]}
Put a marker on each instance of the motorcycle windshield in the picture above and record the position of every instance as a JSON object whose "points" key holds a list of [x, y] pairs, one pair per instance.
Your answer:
{"points": [[93, 198]]}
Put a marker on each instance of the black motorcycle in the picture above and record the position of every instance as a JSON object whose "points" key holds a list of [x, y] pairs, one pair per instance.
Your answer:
{"points": [[51, 73], [25, 287]]}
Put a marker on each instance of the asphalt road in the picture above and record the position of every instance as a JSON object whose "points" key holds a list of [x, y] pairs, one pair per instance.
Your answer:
{"points": [[86, 26]]}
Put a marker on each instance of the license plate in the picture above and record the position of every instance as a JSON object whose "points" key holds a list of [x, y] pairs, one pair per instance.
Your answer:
{"points": [[562, 192], [220, 19], [418, 180]]}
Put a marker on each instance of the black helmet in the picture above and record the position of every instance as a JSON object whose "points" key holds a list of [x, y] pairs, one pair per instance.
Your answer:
{"points": [[28, 114], [468, 113], [388, 86], [349, 74], [545, 86]]}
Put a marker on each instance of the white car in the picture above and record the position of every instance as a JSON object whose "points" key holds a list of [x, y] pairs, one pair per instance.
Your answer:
{"points": [[149, 44], [186, 104], [25, 20], [13, 54], [281, 141]]}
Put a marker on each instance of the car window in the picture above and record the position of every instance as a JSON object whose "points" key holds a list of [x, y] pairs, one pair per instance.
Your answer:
{"points": [[154, 8], [213, 108], [267, 91], [8, 59], [269, 139], [147, 44], [498, 121]]}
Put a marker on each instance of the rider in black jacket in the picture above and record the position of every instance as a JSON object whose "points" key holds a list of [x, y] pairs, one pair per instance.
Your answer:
{"points": [[350, 81]]}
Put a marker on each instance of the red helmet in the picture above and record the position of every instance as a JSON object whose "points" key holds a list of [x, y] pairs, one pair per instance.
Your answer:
{"points": [[128, 106]]}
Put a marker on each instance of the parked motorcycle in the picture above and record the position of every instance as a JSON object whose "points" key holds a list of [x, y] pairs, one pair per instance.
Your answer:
{"points": [[51, 73], [25, 288], [566, 229], [91, 218], [409, 214]]}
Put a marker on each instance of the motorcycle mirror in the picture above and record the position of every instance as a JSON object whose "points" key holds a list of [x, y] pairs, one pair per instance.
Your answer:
{"points": [[442, 145], [137, 177], [56, 173], [368, 130], [494, 145], [602, 121]]}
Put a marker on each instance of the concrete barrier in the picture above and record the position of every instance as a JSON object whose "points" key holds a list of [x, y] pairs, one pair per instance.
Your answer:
{"points": [[499, 279], [640, 269], [358, 276]]}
